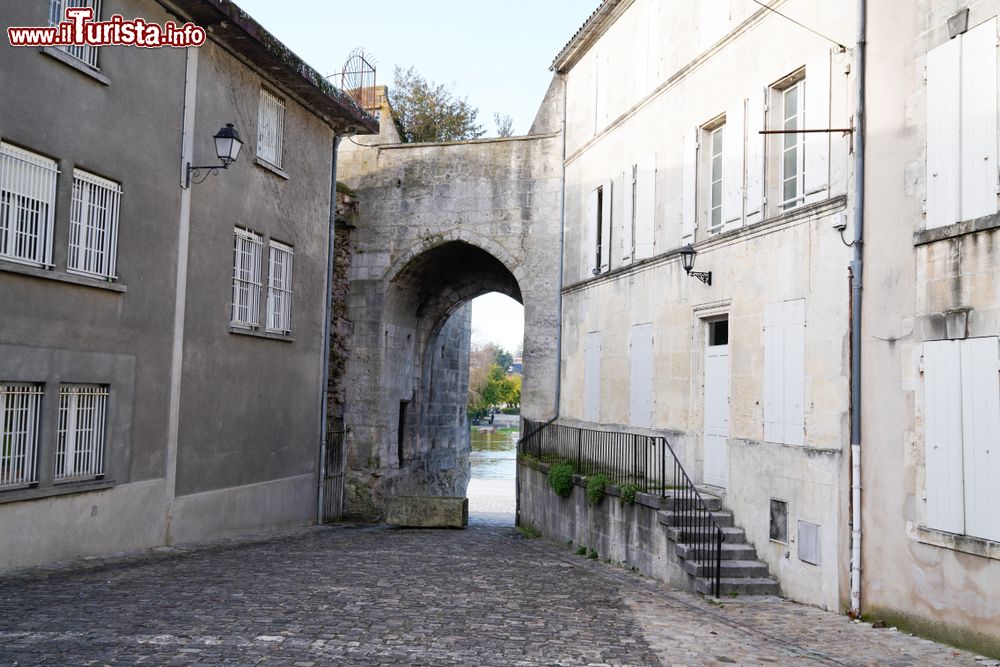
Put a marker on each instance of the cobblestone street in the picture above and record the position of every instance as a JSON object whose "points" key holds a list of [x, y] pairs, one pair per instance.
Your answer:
{"points": [[379, 596]]}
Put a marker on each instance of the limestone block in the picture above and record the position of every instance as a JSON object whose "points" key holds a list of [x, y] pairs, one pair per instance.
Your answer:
{"points": [[427, 511]]}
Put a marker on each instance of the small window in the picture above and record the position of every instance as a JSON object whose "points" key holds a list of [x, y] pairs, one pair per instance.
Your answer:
{"points": [[270, 128], [247, 252], [715, 179], [57, 13], [718, 332], [27, 205], [279, 288], [778, 524], [601, 253], [20, 415], [792, 145], [93, 225], [82, 428]]}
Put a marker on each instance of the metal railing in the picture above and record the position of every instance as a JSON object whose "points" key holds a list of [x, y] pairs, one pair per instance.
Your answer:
{"points": [[650, 464], [333, 471]]}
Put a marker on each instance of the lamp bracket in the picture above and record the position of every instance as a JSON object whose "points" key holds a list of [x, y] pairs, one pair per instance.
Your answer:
{"points": [[703, 276], [199, 174]]}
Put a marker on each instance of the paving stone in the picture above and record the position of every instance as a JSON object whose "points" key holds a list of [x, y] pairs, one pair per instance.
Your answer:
{"points": [[380, 596]]}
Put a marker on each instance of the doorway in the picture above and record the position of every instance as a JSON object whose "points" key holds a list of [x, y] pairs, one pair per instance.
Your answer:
{"points": [[717, 377]]}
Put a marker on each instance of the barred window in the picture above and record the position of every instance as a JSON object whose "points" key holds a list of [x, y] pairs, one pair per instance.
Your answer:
{"points": [[57, 13], [270, 126], [27, 203], [82, 428], [93, 225], [20, 412], [279, 288], [247, 252]]}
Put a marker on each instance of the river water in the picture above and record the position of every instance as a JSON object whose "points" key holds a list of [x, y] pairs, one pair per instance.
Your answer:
{"points": [[494, 466]]}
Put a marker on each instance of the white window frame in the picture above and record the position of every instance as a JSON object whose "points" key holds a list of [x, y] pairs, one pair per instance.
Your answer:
{"points": [[20, 425], [93, 226], [82, 432], [247, 250], [270, 128], [27, 205], [279, 287], [715, 142], [85, 53], [792, 142]]}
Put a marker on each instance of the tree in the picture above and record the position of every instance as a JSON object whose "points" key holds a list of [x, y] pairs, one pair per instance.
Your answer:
{"points": [[425, 111], [505, 125], [503, 358]]}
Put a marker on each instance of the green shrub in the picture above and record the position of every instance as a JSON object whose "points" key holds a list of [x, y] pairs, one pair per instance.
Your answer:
{"points": [[561, 478], [581, 551], [626, 493], [595, 488], [592, 554], [529, 532]]}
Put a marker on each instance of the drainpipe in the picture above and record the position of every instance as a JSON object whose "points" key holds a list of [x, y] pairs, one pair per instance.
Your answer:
{"points": [[856, 283], [325, 391]]}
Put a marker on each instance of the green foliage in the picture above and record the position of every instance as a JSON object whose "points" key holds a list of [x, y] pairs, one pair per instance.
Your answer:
{"points": [[489, 384], [595, 488], [503, 358], [581, 551], [626, 493], [529, 532], [592, 554], [561, 478], [426, 111]]}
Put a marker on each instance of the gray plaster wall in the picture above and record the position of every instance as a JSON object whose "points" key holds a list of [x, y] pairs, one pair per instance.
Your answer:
{"points": [[439, 225]]}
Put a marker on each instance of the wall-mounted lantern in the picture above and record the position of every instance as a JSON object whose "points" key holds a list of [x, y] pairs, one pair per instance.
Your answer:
{"points": [[227, 149], [687, 261]]}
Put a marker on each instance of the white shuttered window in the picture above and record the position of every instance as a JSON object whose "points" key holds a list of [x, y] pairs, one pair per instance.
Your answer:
{"points": [[20, 412], [247, 251], [57, 13], [27, 203], [961, 432], [270, 128], [784, 372], [82, 429], [962, 127], [93, 225], [279, 288]]}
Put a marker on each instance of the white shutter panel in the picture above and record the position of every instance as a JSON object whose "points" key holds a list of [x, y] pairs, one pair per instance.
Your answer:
{"points": [[645, 208], [817, 117], [589, 235], [592, 377], [755, 159], [981, 436], [641, 375], [943, 436], [794, 348], [943, 134], [606, 227], [773, 376], [732, 168], [689, 184], [979, 121], [625, 193]]}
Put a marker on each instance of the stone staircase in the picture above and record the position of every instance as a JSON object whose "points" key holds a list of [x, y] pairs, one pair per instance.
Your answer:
{"points": [[741, 572]]}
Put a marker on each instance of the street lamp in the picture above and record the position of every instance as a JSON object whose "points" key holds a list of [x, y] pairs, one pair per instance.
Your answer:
{"points": [[687, 261], [227, 149]]}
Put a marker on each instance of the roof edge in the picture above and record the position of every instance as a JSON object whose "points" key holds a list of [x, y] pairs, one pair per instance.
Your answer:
{"points": [[591, 30]]}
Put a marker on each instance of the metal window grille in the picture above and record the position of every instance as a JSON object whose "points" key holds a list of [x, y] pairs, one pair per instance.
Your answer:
{"points": [[715, 210], [279, 288], [82, 430], [93, 225], [57, 12], [27, 203], [793, 146], [270, 127], [247, 252], [20, 412]]}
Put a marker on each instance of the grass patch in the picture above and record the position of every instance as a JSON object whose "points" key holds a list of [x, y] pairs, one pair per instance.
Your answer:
{"points": [[529, 532], [592, 554], [626, 493]]}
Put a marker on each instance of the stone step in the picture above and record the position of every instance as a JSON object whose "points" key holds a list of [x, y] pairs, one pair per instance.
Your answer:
{"points": [[753, 569], [722, 518], [712, 503], [705, 534], [730, 551], [738, 586]]}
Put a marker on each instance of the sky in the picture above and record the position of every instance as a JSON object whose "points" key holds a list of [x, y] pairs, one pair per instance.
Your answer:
{"points": [[497, 54], [497, 318]]}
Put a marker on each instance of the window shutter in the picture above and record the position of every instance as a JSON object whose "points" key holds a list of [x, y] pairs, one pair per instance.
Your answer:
{"points": [[981, 436], [645, 208], [641, 375], [606, 199], [689, 177], [979, 121], [943, 134], [794, 349], [755, 158], [592, 377], [732, 168], [943, 435], [624, 193], [773, 375], [817, 117], [589, 236]]}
